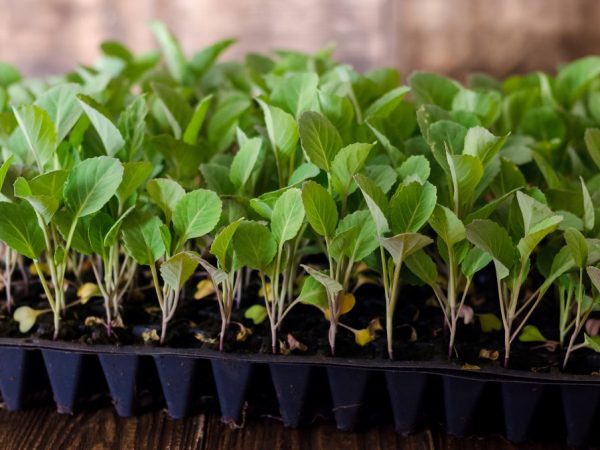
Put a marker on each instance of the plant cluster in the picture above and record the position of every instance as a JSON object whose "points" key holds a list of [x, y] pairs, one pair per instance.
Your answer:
{"points": [[302, 175]]}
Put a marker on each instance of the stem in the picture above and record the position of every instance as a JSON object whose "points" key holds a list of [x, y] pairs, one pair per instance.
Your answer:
{"points": [[390, 306], [577, 319], [269, 312]]}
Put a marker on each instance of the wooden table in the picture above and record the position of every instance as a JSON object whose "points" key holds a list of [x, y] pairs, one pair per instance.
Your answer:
{"points": [[42, 428]]}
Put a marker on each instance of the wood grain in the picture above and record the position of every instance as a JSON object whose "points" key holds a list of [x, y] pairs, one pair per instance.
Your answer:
{"points": [[454, 37], [42, 428]]}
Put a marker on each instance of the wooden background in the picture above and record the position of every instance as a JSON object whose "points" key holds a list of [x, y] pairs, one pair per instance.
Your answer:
{"points": [[451, 36]]}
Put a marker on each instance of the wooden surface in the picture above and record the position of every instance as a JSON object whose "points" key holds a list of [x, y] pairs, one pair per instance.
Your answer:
{"points": [[44, 429], [455, 37]]}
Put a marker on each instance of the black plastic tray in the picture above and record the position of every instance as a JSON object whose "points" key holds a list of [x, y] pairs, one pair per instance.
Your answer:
{"points": [[356, 392]]}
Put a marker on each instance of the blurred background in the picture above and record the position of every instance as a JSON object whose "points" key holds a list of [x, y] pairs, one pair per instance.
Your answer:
{"points": [[454, 37]]}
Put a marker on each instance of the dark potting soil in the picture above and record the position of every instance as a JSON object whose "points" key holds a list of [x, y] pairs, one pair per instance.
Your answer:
{"points": [[419, 332]]}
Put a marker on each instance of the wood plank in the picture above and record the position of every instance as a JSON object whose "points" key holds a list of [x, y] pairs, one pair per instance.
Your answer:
{"points": [[42, 428]]}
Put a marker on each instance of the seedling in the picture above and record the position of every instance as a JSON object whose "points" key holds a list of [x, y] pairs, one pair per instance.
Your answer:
{"points": [[512, 262]]}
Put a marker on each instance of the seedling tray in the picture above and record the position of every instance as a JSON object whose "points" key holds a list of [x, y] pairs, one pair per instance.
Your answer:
{"points": [[356, 392]]}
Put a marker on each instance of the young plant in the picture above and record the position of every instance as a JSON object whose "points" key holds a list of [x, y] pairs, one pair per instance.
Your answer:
{"points": [[463, 263], [147, 239], [287, 225], [579, 249], [409, 209], [225, 278], [512, 262]]}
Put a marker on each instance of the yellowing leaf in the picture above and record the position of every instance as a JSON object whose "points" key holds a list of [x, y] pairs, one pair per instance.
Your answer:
{"points": [[363, 337], [45, 269], [204, 338], [204, 288], [489, 322], [346, 302], [468, 366], [492, 355], [150, 336], [27, 317], [269, 291], [87, 291], [243, 333], [91, 321]]}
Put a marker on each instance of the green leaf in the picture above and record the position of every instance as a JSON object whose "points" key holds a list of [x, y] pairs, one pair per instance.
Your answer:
{"points": [[244, 161], [171, 50], [320, 208], [107, 131], [415, 168], [256, 313], [484, 104], [60, 102], [447, 226], [466, 172], [577, 246], [589, 213], [489, 322], [411, 206], [430, 88], [203, 60], [320, 139], [221, 244], [594, 274], [132, 125], [223, 123], [403, 245], [91, 184], [376, 202], [8, 74], [4, 169], [297, 93], [484, 145], [531, 333], [592, 143], [176, 270], [142, 238], [288, 216], [421, 264], [176, 108], [331, 286], [282, 131], [384, 105], [111, 237], [190, 136], [98, 227], [592, 342], [134, 175], [166, 194], [39, 133], [314, 293], [491, 238], [383, 175], [254, 246], [533, 212], [20, 230], [302, 173], [365, 237], [574, 78], [43, 192], [445, 136], [538, 222], [347, 163], [80, 241], [196, 214], [474, 261]]}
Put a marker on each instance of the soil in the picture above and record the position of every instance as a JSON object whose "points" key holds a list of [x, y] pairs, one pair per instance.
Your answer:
{"points": [[419, 334]]}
